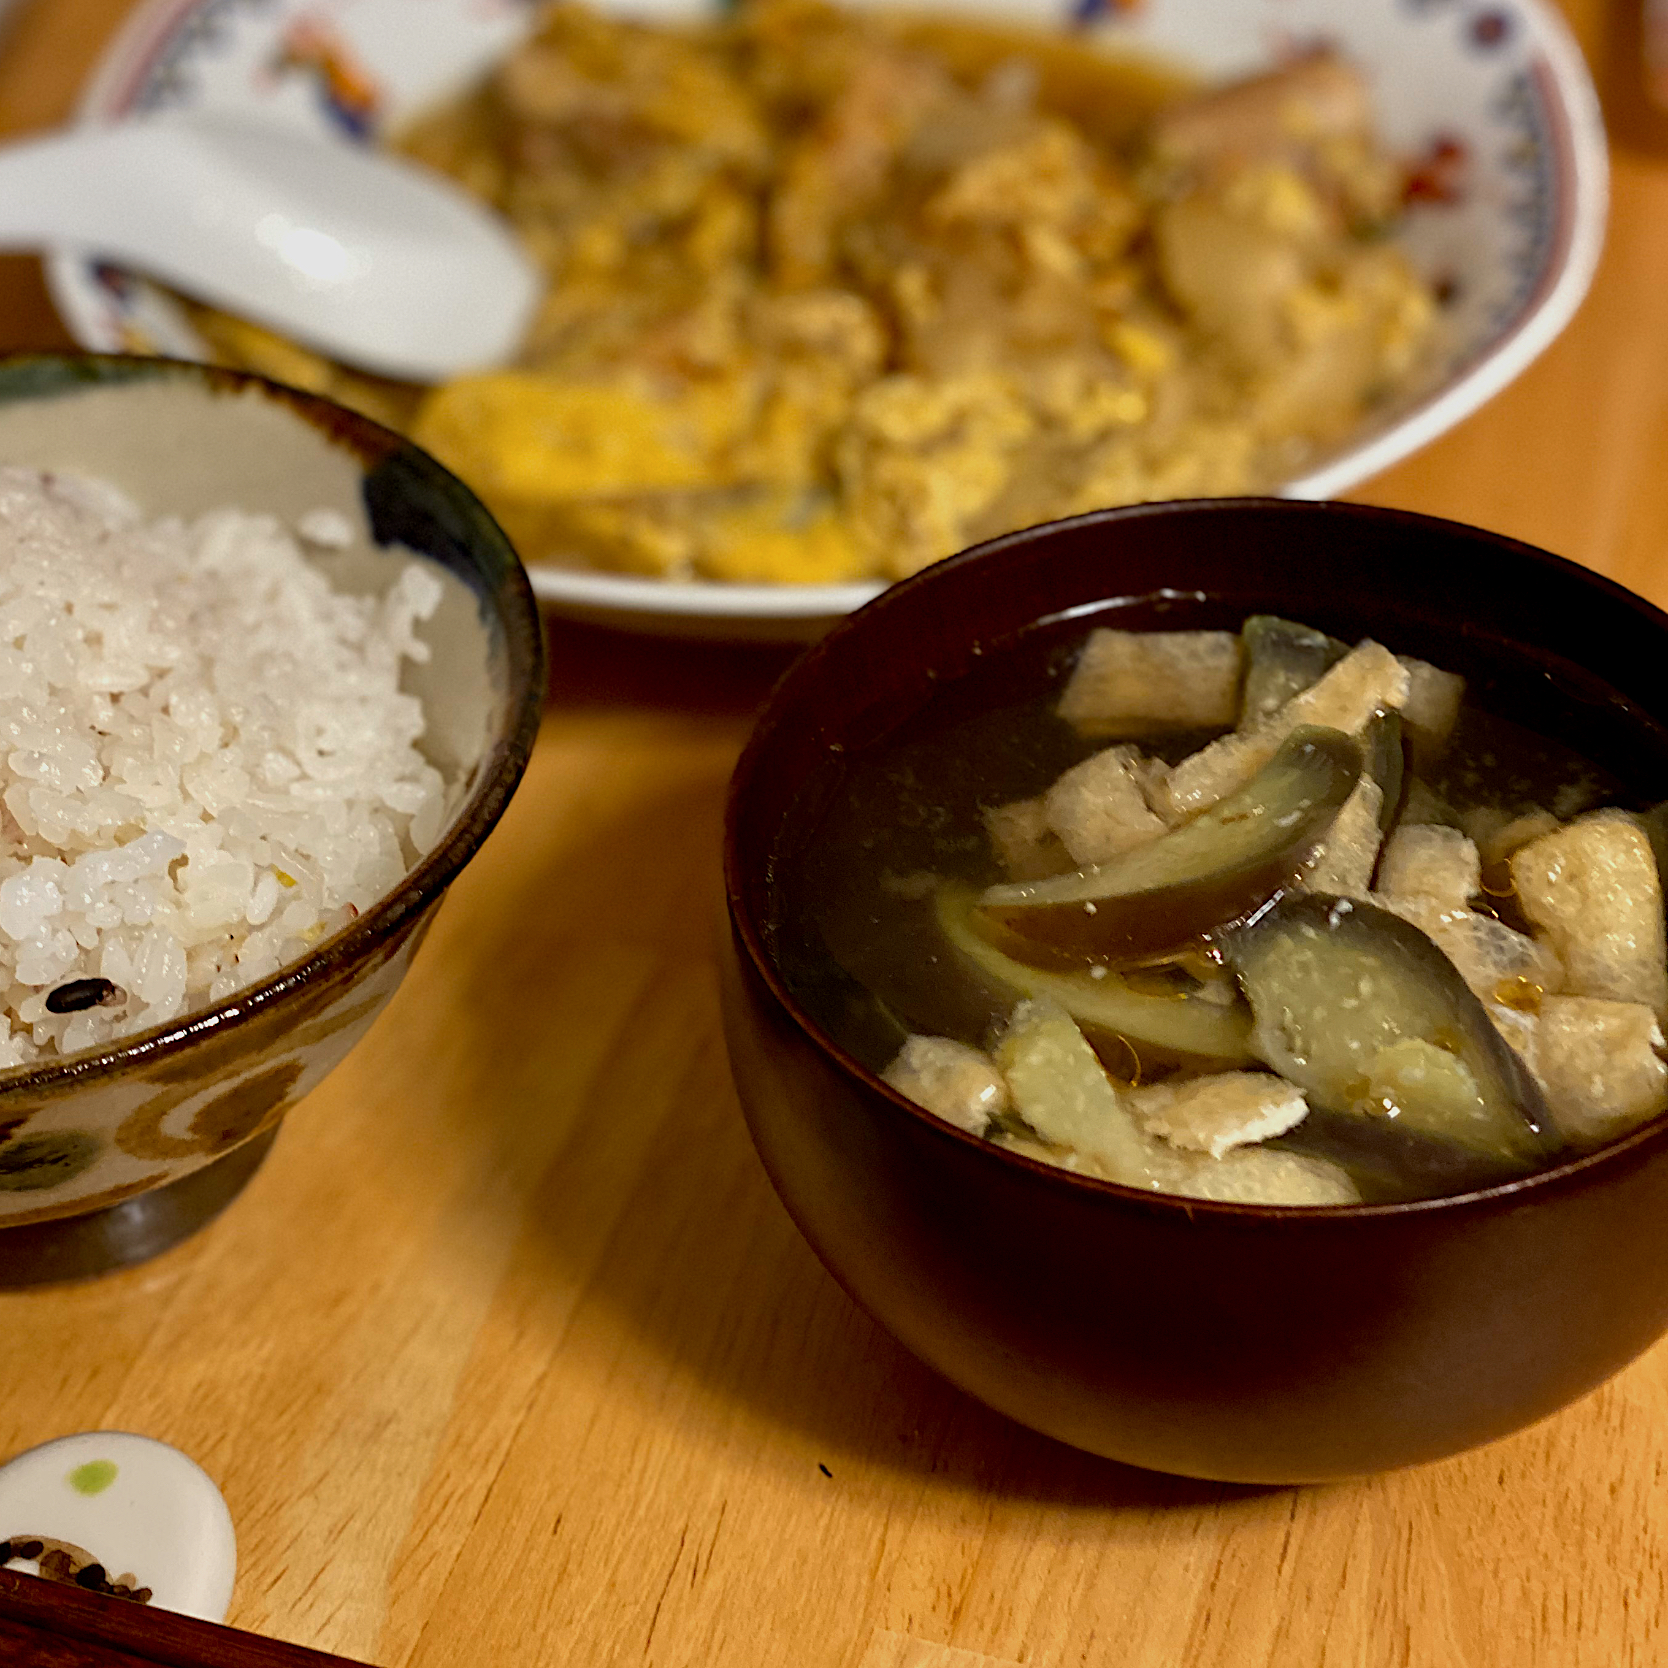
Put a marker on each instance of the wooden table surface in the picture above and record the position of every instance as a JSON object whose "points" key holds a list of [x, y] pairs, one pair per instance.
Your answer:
{"points": [[510, 1356]]}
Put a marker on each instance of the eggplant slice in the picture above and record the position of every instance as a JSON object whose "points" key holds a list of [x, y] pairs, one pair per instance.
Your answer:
{"points": [[1219, 868], [1282, 659], [1385, 746], [1364, 1013], [1164, 1032]]}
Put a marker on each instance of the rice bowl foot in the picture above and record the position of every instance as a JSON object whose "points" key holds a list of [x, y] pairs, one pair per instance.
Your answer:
{"points": [[134, 1231]]}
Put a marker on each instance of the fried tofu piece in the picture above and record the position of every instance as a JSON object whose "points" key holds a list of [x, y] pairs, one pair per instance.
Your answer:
{"points": [[1241, 1176], [1654, 823], [1343, 862], [1217, 1113], [1098, 808], [1592, 888], [1492, 959], [1368, 680], [1498, 835], [1130, 683], [1154, 777], [1252, 1176], [951, 1079], [1062, 1158], [1024, 843], [1600, 1064], [1426, 860], [1431, 709], [1085, 1124]]}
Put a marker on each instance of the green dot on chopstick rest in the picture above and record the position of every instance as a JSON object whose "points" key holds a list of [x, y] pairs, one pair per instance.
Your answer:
{"points": [[94, 1477]]}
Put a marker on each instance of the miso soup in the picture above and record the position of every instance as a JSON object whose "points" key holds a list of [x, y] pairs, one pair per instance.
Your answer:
{"points": [[1254, 915]]}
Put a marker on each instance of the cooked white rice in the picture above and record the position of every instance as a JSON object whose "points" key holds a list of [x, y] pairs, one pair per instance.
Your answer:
{"points": [[206, 763]]}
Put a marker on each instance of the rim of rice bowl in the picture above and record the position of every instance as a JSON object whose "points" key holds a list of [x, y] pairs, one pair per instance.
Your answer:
{"points": [[476, 796]]}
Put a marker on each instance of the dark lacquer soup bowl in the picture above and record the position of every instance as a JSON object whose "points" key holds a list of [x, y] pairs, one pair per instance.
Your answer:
{"points": [[1242, 1342], [110, 1154]]}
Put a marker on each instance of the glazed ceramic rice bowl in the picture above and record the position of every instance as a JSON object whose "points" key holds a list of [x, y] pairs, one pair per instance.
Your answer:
{"points": [[178, 1104]]}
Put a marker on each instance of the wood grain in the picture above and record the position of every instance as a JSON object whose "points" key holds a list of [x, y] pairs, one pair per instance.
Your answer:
{"points": [[509, 1355]]}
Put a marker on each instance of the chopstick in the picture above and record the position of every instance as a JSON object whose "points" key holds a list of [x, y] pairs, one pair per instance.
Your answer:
{"points": [[46, 1624]]}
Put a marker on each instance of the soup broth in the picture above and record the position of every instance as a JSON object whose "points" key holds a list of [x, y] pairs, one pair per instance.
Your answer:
{"points": [[1402, 1001]]}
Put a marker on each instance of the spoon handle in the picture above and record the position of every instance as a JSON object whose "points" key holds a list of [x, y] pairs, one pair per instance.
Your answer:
{"points": [[365, 256]]}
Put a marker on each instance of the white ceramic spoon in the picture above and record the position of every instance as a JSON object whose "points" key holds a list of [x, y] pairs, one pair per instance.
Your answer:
{"points": [[371, 259]]}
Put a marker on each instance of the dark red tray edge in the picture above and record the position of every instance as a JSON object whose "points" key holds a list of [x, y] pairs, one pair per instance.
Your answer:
{"points": [[113, 1632]]}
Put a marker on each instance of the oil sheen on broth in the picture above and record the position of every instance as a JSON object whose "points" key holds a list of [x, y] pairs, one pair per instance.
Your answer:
{"points": [[1254, 915]]}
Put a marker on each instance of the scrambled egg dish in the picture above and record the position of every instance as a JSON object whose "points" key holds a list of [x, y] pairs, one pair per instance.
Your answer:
{"points": [[833, 294]]}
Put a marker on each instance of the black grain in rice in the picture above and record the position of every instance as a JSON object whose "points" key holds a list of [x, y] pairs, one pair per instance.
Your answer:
{"points": [[77, 994]]}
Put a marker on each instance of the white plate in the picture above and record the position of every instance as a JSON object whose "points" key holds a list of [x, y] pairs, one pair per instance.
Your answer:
{"points": [[1494, 87]]}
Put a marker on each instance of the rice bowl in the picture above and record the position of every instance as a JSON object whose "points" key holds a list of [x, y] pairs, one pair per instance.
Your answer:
{"points": [[112, 1151]]}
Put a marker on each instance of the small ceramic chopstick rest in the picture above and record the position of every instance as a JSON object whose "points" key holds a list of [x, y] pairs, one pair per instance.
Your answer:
{"points": [[123, 1514]]}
